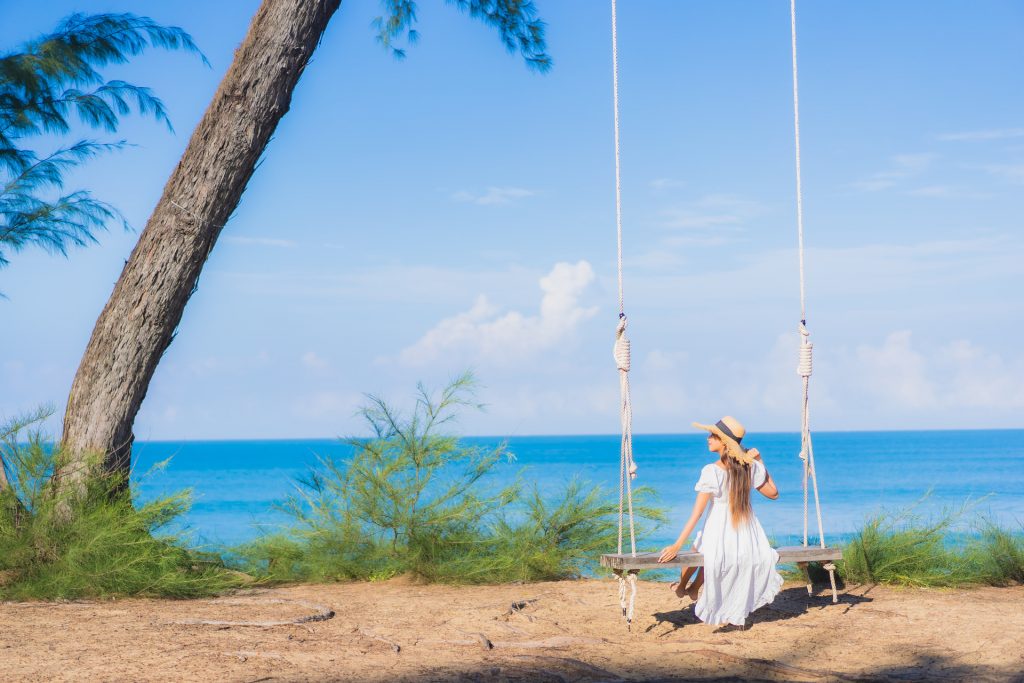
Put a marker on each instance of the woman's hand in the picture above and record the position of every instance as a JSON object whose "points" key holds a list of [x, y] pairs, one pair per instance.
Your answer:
{"points": [[754, 453], [669, 552]]}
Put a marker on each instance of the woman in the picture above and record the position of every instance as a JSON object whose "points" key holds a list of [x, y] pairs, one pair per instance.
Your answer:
{"points": [[739, 572]]}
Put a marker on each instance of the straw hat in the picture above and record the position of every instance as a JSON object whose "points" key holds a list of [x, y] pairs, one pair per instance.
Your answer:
{"points": [[731, 432]]}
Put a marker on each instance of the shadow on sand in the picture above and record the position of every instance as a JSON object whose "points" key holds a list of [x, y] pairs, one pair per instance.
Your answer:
{"points": [[549, 669], [789, 603]]}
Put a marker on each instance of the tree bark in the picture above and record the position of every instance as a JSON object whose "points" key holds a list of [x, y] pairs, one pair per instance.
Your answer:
{"points": [[139, 321]]}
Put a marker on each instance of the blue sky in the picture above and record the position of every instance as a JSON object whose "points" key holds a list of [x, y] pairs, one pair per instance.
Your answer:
{"points": [[415, 218]]}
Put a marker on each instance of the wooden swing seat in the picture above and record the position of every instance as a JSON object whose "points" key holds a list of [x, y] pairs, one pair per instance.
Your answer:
{"points": [[691, 558]]}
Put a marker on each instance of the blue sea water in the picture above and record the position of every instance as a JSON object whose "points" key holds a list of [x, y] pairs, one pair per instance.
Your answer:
{"points": [[236, 483]]}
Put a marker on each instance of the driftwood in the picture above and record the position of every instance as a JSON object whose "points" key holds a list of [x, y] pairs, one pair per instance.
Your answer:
{"points": [[243, 655], [554, 642], [395, 647], [509, 627], [520, 605], [484, 641], [321, 613]]}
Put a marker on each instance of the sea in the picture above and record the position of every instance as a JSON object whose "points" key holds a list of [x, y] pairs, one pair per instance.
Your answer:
{"points": [[236, 484]]}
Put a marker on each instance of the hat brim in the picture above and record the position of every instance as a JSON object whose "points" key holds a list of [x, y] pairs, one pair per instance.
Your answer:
{"points": [[733, 448]]}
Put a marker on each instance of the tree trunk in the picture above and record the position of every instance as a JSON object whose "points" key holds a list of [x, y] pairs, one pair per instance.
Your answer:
{"points": [[139, 321]]}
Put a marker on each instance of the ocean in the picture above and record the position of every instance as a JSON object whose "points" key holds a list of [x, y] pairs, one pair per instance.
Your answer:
{"points": [[236, 483]]}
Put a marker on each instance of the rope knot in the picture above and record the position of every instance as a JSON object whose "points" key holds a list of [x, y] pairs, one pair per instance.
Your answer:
{"points": [[806, 364], [621, 350]]}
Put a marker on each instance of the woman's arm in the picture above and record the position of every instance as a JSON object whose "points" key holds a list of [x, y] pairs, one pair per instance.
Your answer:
{"points": [[668, 553], [768, 488]]}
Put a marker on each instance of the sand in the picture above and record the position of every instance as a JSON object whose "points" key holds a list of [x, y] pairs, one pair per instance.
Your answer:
{"points": [[564, 631]]}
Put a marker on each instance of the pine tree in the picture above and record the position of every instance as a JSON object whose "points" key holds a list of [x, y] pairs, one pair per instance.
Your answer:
{"points": [[46, 86]]}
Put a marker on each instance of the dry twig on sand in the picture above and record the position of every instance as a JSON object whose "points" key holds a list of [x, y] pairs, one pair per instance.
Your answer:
{"points": [[320, 613], [395, 647], [554, 642]]}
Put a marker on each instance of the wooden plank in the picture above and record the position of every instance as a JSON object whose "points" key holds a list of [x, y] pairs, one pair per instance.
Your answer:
{"points": [[689, 558]]}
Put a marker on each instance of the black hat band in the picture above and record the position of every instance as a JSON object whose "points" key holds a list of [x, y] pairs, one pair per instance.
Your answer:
{"points": [[728, 432]]}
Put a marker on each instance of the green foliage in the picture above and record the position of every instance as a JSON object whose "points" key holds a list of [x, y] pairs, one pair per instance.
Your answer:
{"points": [[105, 547], [998, 554], [413, 501], [905, 549], [562, 538], [45, 86], [516, 20]]}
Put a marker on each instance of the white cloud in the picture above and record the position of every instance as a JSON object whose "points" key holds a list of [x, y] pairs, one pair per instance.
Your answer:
{"points": [[901, 167], [484, 334], [210, 366], [990, 134], [712, 211], [314, 362], [896, 373], [259, 241], [958, 375], [387, 284], [333, 405], [933, 191], [660, 360], [1013, 173], [493, 196], [981, 378], [913, 163], [667, 184], [894, 383], [947, 192]]}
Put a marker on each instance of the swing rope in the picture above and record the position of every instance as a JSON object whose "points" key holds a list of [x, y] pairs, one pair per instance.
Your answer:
{"points": [[627, 577], [805, 366], [621, 353]]}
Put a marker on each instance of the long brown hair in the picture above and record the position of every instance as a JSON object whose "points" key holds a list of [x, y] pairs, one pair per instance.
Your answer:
{"points": [[739, 489]]}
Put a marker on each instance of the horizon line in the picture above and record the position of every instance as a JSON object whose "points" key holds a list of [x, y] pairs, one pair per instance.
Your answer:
{"points": [[596, 434]]}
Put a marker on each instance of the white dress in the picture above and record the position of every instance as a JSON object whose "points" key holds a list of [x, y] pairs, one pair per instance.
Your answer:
{"points": [[739, 564]]}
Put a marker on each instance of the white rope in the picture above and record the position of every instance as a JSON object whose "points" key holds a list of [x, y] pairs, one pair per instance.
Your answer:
{"points": [[618, 171], [806, 364], [621, 353], [799, 184], [627, 466], [627, 592]]}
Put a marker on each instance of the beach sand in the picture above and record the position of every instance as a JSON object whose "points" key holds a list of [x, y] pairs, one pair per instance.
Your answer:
{"points": [[563, 631]]}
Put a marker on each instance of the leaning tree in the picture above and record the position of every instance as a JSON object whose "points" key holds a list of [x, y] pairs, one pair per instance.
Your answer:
{"points": [[140, 318]]}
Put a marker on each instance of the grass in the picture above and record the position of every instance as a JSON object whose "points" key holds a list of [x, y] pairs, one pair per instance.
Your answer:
{"points": [[413, 500], [98, 544], [904, 549]]}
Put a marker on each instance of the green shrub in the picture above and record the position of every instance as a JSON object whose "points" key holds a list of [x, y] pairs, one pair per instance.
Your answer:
{"points": [[411, 500], [902, 548], [94, 544], [998, 554]]}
